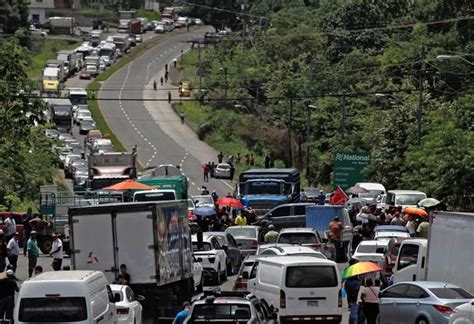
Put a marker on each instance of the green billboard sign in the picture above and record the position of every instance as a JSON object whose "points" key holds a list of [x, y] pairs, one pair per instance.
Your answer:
{"points": [[348, 168]]}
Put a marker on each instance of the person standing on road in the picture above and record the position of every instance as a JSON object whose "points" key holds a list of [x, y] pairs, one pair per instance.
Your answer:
{"points": [[33, 253], [352, 287], [166, 76], [231, 173], [10, 227], [154, 85], [272, 235], [181, 316], [169, 96], [161, 81], [181, 116], [27, 228], [240, 220], [57, 252], [370, 301], [205, 169], [175, 61], [220, 157], [13, 250], [166, 67], [335, 231], [303, 196], [8, 287], [396, 220], [321, 198]]}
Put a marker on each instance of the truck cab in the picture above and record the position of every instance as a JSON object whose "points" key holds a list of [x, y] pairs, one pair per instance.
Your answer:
{"points": [[264, 189], [411, 261]]}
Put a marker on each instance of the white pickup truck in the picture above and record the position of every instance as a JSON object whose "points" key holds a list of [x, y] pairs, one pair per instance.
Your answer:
{"points": [[212, 257]]}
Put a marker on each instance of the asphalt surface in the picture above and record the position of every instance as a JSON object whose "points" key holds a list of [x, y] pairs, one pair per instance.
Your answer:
{"points": [[152, 125]]}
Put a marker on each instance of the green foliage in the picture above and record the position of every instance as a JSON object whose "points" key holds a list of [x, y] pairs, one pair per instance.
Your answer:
{"points": [[14, 15], [150, 15], [339, 55]]}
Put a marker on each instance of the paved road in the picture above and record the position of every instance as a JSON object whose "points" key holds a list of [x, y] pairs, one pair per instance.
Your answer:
{"points": [[152, 125]]}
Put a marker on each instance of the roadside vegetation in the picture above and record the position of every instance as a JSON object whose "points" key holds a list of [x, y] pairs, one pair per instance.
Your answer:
{"points": [[362, 66]]}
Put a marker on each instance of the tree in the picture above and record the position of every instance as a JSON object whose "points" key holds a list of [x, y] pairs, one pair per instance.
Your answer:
{"points": [[13, 15], [217, 13]]}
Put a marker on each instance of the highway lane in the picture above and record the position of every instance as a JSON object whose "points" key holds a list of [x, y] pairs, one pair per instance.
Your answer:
{"points": [[141, 123]]}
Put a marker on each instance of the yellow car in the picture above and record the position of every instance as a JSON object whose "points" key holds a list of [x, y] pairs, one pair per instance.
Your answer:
{"points": [[185, 90]]}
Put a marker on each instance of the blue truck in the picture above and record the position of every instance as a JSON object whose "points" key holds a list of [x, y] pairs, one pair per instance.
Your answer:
{"points": [[264, 189]]}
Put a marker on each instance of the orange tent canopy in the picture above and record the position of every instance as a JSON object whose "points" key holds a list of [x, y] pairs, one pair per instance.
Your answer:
{"points": [[415, 211], [128, 185]]}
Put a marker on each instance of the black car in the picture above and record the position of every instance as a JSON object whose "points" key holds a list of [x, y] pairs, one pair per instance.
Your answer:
{"points": [[287, 215], [311, 194]]}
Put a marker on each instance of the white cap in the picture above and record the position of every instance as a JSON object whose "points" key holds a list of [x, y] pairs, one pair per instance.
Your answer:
{"points": [[10, 272]]}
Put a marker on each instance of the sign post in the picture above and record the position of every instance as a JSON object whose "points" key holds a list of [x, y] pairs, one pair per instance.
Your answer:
{"points": [[348, 168]]}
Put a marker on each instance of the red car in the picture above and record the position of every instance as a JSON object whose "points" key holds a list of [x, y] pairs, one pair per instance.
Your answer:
{"points": [[18, 217], [391, 257], [86, 75]]}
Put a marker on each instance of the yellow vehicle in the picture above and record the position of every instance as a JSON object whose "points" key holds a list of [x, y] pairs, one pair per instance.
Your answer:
{"points": [[185, 90]]}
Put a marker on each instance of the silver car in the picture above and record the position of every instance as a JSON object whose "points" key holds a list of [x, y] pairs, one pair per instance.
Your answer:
{"points": [[247, 237], [420, 302], [222, 170]]}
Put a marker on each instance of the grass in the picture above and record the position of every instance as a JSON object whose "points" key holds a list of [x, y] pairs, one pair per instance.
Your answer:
{"points": [[45, 49], [150, 15]]}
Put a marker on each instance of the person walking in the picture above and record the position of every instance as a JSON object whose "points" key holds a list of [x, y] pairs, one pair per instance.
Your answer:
{"points": [[181, 116], [166, 67], [303, 196], [169, 97], [33, 253], [396, 220], [205, 169], [57, 252], [352, 287], [154, 85], [335, 231], [166, 76], [161, 80], [240, 220], [411, 226], [231, 173], [175, 61], [182, 315], [27, 228], [220, 157], [271, 236], [321, 198], [370, 301], [9, 227], [8, 287], [13, 250]]}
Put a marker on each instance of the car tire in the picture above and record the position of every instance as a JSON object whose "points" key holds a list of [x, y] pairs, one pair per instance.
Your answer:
{"points": [[218, 277], [224, 275], [422, 320]]}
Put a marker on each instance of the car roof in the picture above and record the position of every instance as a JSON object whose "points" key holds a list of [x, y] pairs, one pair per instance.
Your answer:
{"points": [[390, 228], [243, 226], [204, 239], [371, 185], [74, 275], [373, 242], [430, 284], [294, 248], [115, 287], [298, 230], [406, 192], [296, 260]]}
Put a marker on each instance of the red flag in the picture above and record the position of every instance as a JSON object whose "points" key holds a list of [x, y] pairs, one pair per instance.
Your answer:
{"points": [[339, 197]]}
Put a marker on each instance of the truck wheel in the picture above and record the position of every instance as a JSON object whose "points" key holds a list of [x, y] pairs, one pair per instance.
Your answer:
{"points": [[45, 246]]}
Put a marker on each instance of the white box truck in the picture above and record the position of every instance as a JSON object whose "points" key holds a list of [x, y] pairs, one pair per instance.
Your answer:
{"points": [[447, 255], [152, 239]]}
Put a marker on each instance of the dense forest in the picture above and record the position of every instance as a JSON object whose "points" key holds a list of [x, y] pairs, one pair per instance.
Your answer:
{"points": [[390, 77]]}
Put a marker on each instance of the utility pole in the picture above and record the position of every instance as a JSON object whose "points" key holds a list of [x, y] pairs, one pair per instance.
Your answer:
{"points": [[419, 111], [290, 127], [343, 115], [308, 138]]}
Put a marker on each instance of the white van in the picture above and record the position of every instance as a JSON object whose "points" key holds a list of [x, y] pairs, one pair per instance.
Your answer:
{"points": [[77, 297], [401, 198], [302, 288], [374, 190]]}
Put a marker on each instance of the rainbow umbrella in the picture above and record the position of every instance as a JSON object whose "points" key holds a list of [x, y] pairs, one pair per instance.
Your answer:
{"points": [[360, 268]]}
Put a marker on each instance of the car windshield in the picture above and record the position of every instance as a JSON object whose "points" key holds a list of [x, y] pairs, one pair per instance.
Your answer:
{"points": [[311, 276], [265, 188], [451, 293], [220, 166], [117, 294], [370, 249], [205, 246], [205, 200], [242, 232], [221, 311], [154, 196], [408, 199], [370, 194], [57, 309], [297, 238]]}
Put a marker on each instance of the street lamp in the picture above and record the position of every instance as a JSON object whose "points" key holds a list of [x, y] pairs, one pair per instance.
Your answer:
{"points": [[448, 57]]}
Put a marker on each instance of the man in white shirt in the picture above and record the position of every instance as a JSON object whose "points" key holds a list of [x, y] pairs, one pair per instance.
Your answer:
{"points": [[57, 252], [10, 227], [13, 250]]}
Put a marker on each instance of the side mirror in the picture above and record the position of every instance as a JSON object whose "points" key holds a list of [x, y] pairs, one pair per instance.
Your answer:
{"points": [[245, 275], [117, 297], [140, 298], [198, 259]]}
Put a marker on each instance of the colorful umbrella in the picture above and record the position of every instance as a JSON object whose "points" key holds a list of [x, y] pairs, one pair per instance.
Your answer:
{"points": [[129, 185], [357, 190], [415, 211], [229, 202], [360, 268], [428, 202], [204, 211]]}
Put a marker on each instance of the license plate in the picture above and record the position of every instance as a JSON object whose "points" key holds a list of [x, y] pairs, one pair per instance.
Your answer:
{"points": [[313, 303]]}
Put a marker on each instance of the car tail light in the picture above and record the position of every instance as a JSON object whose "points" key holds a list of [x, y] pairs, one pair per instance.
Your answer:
{"points": [[443, 309], [282, 299], [240, 283], [211, 260], [315, 246], [122, 310], [339, 298], [254, 244]]}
